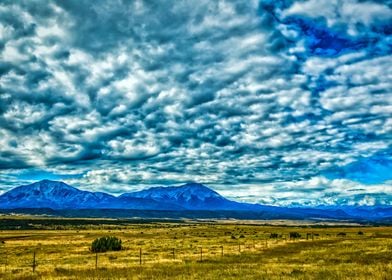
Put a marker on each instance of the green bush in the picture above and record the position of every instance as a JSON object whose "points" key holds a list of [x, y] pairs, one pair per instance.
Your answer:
{"points": [[294, 235], [106, 243]]}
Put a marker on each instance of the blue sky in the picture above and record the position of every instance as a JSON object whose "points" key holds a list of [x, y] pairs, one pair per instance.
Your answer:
{"points": [[277, 102]]}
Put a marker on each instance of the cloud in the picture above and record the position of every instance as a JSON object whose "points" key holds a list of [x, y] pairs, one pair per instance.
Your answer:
{"points": [[230, 93], [317, 191], [339, 14]]}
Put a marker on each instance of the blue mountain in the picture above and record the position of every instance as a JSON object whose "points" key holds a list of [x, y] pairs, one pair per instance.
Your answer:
{"points": [[58, 195], [191, 196], [189, 200], [51, 194]]}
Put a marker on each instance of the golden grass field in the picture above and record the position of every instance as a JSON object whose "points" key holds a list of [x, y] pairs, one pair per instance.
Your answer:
{"points": [[173, 251]]}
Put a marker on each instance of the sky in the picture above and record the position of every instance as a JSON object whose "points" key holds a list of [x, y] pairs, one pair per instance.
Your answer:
{"points": [[274, 102]]}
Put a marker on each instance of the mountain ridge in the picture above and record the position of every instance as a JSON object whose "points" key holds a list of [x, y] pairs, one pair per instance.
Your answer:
{"points": [[193, 197], [59, 195]]}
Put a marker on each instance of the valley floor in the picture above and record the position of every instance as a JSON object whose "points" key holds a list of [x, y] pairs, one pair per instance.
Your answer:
{"points": [[198, 251]]}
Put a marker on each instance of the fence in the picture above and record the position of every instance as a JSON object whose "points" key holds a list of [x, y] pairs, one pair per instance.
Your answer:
{"points": [[43, 259], [38, 259]]}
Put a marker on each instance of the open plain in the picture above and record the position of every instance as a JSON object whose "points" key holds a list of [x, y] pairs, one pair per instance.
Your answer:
{"points": [[194, 250]]}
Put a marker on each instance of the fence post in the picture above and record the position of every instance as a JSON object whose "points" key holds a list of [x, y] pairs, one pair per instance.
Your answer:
{"points": [[174, 253], [201, 254], [140, 256], [239, 247], [5, 261], [96, 260], [222, 251], [34, 264]]}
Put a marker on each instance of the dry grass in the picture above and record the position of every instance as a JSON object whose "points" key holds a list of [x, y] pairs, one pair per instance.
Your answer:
{"points": [[248, 253]]}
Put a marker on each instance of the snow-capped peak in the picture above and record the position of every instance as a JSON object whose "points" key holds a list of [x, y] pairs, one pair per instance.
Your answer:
{"points": [[187, 192], [45, 188]]}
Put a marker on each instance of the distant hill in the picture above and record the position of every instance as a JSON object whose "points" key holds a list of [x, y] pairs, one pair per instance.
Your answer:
{"points": [[191, 196], [191, 200], [58, 195]]}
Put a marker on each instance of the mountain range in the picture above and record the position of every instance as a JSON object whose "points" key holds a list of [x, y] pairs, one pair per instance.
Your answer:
{"points": [[189, 200], [58, 195]]}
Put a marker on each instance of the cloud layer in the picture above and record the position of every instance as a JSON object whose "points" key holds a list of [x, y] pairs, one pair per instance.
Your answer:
{"points": [[250, 97]]}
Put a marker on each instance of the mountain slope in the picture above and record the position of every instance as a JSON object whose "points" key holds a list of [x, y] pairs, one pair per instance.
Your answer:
{"points": [[58, 195], [51, 194], [191, 196]]}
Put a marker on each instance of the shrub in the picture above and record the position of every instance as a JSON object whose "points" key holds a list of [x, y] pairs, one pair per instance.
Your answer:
{"points": [[274, 235], [295, 235], [106, 243], [341, 234], [360, 232]]}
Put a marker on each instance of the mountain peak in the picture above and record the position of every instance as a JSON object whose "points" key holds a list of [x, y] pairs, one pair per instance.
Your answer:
{"points": [[195, 189], [47, 181], [51, 194], [47, 185], [191, 195], [194, 185], [186, 190]]}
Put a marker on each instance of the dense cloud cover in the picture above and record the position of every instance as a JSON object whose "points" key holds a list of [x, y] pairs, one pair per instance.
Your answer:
{"points": [[279, 102]]}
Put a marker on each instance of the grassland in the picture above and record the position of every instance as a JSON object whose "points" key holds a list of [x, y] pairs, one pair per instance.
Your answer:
{"points": [[197, 250]]}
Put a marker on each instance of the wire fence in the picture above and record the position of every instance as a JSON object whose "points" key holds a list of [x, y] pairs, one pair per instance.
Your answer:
{"points": [[39, 258], [36, 257]]}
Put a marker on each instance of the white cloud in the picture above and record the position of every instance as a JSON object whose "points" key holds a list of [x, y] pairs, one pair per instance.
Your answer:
{"points": [[315, 191]]}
